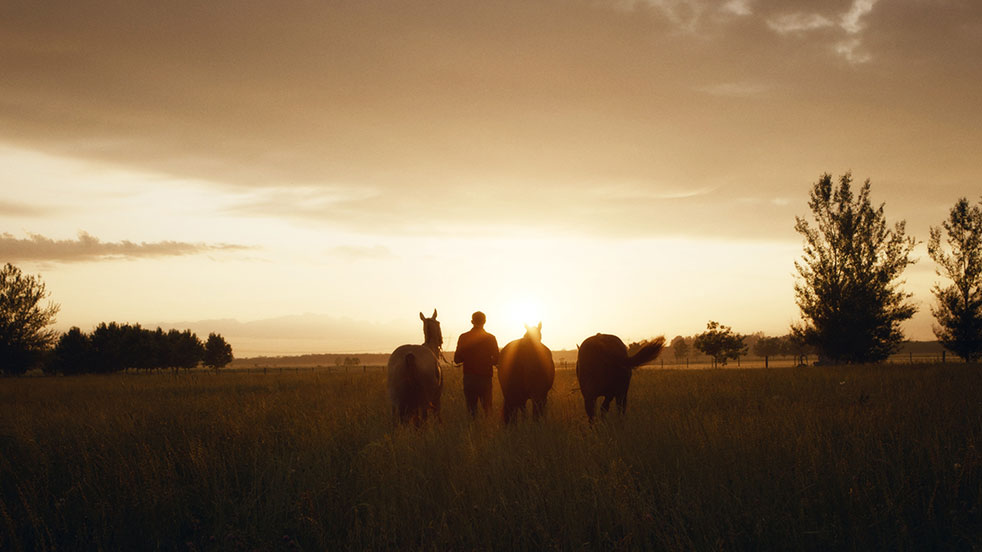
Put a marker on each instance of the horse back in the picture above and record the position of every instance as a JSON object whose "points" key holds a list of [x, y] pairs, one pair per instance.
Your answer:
{"points": [[526, 369], [601, 365], [427, 373]]}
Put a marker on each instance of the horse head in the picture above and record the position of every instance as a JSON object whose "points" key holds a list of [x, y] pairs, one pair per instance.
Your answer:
{"points": [[534, 332], [432, 335]]}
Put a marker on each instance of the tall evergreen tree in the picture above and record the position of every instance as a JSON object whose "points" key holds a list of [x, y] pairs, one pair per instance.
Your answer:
{"points": [[959, 307], [847, 287]]}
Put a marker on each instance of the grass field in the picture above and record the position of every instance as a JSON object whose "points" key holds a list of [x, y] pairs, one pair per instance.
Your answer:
{"points": [[865, 458]]}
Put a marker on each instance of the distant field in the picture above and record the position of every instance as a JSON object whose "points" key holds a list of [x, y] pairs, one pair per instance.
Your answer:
{"points": [[867, 458]]}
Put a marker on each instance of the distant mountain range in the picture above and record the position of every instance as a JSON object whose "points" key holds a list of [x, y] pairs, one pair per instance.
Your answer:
{"points": [[304, 333]]}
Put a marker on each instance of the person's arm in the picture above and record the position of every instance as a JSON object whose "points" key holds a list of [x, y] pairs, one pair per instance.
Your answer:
{"points": [[494, 351], [458, 354]]}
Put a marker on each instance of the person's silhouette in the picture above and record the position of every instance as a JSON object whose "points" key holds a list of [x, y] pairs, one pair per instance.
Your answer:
{"points": [[477, 350]]}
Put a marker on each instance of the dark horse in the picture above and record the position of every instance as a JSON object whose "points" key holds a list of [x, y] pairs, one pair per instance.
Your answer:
{"points": [[604, 369], [415, 379], [526, 371]]}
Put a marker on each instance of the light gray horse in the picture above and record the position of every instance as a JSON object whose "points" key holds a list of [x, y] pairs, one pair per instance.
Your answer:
{"points": [[415, 379]]}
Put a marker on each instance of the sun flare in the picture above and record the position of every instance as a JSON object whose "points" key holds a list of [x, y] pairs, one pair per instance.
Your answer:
{"points": [[523, 312]]}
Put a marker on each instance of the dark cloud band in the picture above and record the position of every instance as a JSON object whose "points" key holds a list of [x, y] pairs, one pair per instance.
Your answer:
{"points": [[89, 248]]}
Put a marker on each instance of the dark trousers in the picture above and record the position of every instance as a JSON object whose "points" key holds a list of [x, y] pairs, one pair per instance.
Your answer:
{"points": [[477, 387]]}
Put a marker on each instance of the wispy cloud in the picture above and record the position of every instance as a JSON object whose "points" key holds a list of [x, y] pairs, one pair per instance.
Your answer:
{"points": [[303, 201], [627, 192], [850, 49], [798, 22], [14, 209], [850, 22], [737, 7], [89, 248]]}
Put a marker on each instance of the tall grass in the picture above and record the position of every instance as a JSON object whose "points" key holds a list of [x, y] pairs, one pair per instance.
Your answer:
{"points": [[817, 458]]}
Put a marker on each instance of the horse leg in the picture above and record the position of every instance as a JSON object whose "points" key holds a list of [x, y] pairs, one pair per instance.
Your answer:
{"points": [[538, 407], [591, 407], [405, 413], [606, 405], [622, 403]]}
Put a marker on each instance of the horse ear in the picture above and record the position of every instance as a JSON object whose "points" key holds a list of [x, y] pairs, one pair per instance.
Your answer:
{"points": [[539, 327], [527, 327], [421, 317], [434, 313]]}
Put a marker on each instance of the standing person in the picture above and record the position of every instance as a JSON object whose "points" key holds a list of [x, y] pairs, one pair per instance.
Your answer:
{"points": [[477, 350]]}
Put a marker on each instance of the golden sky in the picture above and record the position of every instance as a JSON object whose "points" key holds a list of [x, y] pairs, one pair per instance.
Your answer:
{"points": [[325, 170]]}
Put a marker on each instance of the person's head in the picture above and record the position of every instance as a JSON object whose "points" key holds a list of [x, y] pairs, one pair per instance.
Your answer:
{"points": [[478, 319]]}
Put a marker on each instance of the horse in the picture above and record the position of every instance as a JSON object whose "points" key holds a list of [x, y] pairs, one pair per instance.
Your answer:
{"points": [[414, 376], [526, 371], [603, 369]]}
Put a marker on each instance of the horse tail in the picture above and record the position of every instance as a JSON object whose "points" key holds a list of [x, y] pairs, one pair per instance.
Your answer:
{"points": [[647, 353]]}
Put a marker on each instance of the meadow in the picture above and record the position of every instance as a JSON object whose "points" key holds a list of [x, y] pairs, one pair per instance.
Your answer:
{"points": [[855, 458]]}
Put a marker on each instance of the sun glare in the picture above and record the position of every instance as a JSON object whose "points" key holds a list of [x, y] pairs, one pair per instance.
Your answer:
{"points": [[522, 312]]}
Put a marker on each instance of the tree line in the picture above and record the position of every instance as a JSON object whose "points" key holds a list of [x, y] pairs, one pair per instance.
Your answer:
{"points": [[26, 342], [721, 344], [117, 347]]}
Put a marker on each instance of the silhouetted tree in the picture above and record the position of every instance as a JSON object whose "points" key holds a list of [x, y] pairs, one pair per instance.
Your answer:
{"points": [[680, 349], [24, 336], [720, 343], [72, 354], [186, 349], [107, 348], [796, 346], [959, 307], [847, 286], [218, 352], [768, 347]]}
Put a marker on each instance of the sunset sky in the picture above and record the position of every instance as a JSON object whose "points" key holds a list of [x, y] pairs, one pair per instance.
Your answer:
{"points": [[308, 176]]}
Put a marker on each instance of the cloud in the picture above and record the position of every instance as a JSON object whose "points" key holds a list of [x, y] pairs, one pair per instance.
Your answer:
{"points": [[737, 7], [89, 248], [630, 192], [14, 209], [798, 23], [406, 117], [850, 49], [851, 21]]}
